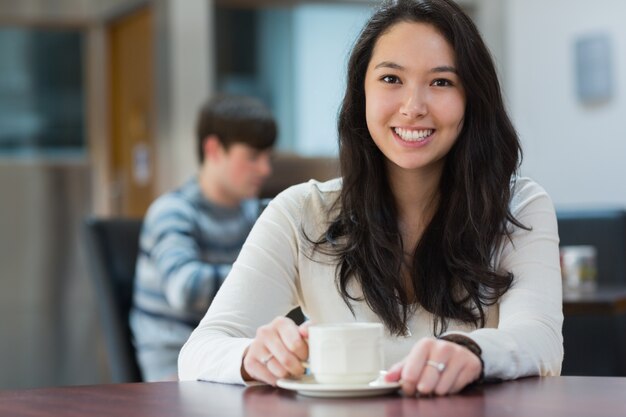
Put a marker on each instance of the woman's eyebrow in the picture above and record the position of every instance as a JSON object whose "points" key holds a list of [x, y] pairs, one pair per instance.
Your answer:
{"points": [[444, 68], [389, 64], [393, 65]]}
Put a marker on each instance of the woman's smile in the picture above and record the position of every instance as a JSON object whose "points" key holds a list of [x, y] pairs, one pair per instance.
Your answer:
{"points": [[413, 136]]}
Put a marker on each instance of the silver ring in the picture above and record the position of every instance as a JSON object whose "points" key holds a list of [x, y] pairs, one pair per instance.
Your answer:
{"points": [[268, 358], [439, 366]]}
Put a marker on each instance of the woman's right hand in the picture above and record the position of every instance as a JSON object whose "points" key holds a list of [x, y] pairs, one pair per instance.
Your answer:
{"points": [[276, 352]]}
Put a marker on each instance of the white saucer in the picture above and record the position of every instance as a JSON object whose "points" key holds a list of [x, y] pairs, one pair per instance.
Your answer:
{"points": [[308, 387]]}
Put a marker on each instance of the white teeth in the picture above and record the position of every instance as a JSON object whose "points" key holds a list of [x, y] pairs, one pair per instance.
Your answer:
{"points": [[413, 135]]}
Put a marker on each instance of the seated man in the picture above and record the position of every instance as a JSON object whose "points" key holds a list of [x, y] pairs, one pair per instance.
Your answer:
{"points": [[192, 235]]}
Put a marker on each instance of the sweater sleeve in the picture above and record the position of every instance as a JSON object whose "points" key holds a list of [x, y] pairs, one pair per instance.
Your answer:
{"points": [[261, 286], [528, 339], [169, 237]]}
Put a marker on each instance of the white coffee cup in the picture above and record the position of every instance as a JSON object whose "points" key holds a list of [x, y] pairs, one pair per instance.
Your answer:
{"points": [[346, 353]]}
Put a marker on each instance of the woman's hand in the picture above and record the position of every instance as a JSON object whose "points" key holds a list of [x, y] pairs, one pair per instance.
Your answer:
{"points": [[276, 352], [436, 367]]}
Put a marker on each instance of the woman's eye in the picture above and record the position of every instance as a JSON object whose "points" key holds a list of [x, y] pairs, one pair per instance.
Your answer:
{"points": [[442, 82], [390, 79]]}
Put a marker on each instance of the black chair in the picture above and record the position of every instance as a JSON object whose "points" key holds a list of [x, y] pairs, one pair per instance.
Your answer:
{"points": [[112, 246], [595, 344]]}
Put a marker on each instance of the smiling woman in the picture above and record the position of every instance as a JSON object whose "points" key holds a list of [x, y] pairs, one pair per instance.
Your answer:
{"points": [[429, 231]]}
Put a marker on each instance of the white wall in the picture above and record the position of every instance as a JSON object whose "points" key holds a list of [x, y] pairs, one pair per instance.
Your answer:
{"points": [[185, 80], [575, 150]]}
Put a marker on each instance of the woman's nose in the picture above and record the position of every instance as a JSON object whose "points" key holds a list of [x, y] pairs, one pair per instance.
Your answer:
{"points": [[414, 104]]}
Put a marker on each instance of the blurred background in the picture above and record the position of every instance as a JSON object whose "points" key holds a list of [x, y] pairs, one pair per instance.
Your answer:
{"points": [[98, 100]]}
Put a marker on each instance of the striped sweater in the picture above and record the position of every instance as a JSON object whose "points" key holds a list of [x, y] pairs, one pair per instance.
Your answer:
{"points": [[187, 247]]}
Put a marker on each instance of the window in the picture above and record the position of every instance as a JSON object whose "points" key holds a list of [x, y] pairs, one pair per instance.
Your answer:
{"points": [[42, 104]]}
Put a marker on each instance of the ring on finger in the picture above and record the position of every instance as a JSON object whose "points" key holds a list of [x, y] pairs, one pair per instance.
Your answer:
{"points": [[266, 359], [439, 366]]}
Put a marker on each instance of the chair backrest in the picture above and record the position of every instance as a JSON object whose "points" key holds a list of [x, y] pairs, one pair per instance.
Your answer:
{"points": [[112, 246], [604, 229], [291, 169]]}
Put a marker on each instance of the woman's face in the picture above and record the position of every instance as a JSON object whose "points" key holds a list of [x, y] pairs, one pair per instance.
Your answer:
{"points": [[415, 102]]}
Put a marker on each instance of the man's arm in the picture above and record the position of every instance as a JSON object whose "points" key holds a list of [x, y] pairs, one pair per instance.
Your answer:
{"points": [[170, 235]]}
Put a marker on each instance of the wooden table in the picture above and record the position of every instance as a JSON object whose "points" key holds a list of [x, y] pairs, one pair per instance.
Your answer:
{"points": [[604, 300], [532, 397]]}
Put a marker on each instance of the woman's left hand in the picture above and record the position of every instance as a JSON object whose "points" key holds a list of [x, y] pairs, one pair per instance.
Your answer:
{"points": [[436, 366]]}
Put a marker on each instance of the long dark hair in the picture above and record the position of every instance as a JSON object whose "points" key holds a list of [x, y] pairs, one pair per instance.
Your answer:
{"points": [[451, 271]]}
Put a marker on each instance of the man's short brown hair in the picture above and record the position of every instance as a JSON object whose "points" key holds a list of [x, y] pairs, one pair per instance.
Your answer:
{"points": [[236, 119]]}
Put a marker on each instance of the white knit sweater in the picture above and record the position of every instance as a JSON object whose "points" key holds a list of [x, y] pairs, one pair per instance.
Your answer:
{"points": [[273, 274]]}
